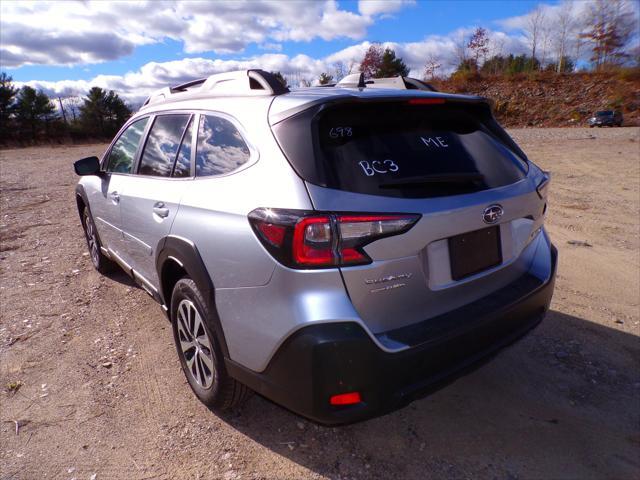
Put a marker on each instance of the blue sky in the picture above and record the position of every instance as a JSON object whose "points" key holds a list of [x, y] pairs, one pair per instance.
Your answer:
{"points": [[133, 48], [411, 24]]}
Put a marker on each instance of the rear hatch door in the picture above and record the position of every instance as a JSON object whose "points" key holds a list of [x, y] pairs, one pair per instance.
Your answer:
{"points": [[444, 159]]}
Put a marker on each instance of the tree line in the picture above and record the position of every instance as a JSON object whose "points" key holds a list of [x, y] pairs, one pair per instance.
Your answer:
{"points": [[601, 33], [28, 115]]}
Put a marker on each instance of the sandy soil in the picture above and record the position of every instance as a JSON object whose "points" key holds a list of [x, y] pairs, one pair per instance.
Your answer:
{"points": [[102, 392]]}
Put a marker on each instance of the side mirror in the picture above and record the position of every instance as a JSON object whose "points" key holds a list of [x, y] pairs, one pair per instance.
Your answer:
{"points": [[87, 166]]}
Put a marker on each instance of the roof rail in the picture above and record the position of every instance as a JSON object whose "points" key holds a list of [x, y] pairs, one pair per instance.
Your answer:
{"points": [[239, 83]]}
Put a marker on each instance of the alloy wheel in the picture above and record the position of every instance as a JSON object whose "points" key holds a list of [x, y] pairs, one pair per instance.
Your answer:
{"points": [[195, 344], [92, 241]]}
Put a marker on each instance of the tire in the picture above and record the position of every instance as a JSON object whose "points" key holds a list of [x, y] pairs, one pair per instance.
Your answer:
{"points": [[199, 350], [101, 263]]}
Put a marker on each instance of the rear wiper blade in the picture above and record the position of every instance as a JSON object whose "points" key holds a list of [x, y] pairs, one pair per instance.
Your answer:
{"points": [[435, 178]]}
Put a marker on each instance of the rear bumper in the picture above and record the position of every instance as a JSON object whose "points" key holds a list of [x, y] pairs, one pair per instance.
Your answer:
{"points": [[323, 360]]}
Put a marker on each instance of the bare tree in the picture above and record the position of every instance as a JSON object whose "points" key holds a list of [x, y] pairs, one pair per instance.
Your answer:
{"points": [[72, 104], [341, 69], [533, 30], [611, 24], [64, 115], [566, 23], [431, 66], [545, 41], [479, 45], [497, 49], [460, 42]]}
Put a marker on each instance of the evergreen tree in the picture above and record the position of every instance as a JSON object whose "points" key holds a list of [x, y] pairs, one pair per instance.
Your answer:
{"points": [[567, 65], [391, 66], [325, 79], [32, 108], [103, 113], [8, 93], [510, 65]]}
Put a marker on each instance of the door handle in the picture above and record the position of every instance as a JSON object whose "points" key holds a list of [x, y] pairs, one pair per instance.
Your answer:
{"points": [[160, 210], [115, 197]]}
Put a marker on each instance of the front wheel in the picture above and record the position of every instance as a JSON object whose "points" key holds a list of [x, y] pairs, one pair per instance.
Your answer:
{"points": [[199, 350], [99, 260]]}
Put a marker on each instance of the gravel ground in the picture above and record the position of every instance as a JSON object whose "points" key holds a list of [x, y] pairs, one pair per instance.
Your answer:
{"points": [[92, 388]]}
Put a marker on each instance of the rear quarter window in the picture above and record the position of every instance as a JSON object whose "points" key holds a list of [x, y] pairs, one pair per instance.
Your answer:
{"points": [[221, 148]]}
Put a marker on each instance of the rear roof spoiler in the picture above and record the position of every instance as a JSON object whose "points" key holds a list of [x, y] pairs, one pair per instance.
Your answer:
{"points": [[238, 83]]}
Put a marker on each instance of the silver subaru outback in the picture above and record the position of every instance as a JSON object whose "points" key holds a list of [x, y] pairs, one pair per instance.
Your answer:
{"points": [[340, 250]]}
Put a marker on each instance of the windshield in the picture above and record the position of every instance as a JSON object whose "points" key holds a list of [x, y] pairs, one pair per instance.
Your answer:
{"points": [[400, 150], [604, 113]]}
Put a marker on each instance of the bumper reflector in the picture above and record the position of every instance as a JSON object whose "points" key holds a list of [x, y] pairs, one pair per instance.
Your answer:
{"points": [[345, 399]]}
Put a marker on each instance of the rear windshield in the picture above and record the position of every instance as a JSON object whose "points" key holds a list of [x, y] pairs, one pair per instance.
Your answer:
{"points": [[405, 150], [604, 113]]}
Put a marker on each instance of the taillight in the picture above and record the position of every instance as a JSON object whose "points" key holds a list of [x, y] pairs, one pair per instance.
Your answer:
{"points": [[302, 239], [350, 398]]}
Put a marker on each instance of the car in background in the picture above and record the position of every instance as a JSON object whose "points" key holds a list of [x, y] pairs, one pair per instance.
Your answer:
{"points": [[606, 118]]}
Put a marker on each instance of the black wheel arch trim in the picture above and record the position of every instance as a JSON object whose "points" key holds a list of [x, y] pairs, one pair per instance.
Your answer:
{"points": [[173, 248], [83, 196]]}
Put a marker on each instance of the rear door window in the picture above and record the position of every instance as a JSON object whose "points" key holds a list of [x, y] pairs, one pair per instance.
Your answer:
{"points": [[123, 152], [162, 145], [221, 149]]}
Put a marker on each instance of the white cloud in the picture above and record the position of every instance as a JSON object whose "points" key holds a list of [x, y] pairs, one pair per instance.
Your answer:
{"points": [[276, 47], [137, 85], [69, 33], [266, 23], [370, 8]]}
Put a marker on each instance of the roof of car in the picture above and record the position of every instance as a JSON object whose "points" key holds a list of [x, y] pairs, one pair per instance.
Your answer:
{"points": [[285, 102]]}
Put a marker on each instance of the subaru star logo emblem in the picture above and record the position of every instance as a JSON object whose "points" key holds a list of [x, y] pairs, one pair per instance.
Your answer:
{"points": [[492, 213]]}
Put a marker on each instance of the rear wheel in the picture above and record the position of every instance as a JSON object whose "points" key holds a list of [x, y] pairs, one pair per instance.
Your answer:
{"points": [[99, 260], [199, 350]]}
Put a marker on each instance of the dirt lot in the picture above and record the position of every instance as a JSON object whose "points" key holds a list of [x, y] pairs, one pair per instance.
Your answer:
{"points": [[102, 395]]}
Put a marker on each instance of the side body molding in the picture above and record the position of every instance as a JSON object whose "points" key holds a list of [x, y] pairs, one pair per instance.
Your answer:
{"points": [[173, 250]]}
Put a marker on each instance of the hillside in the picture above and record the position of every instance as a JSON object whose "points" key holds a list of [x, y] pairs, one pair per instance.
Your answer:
{"points": [[549, 100]]}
